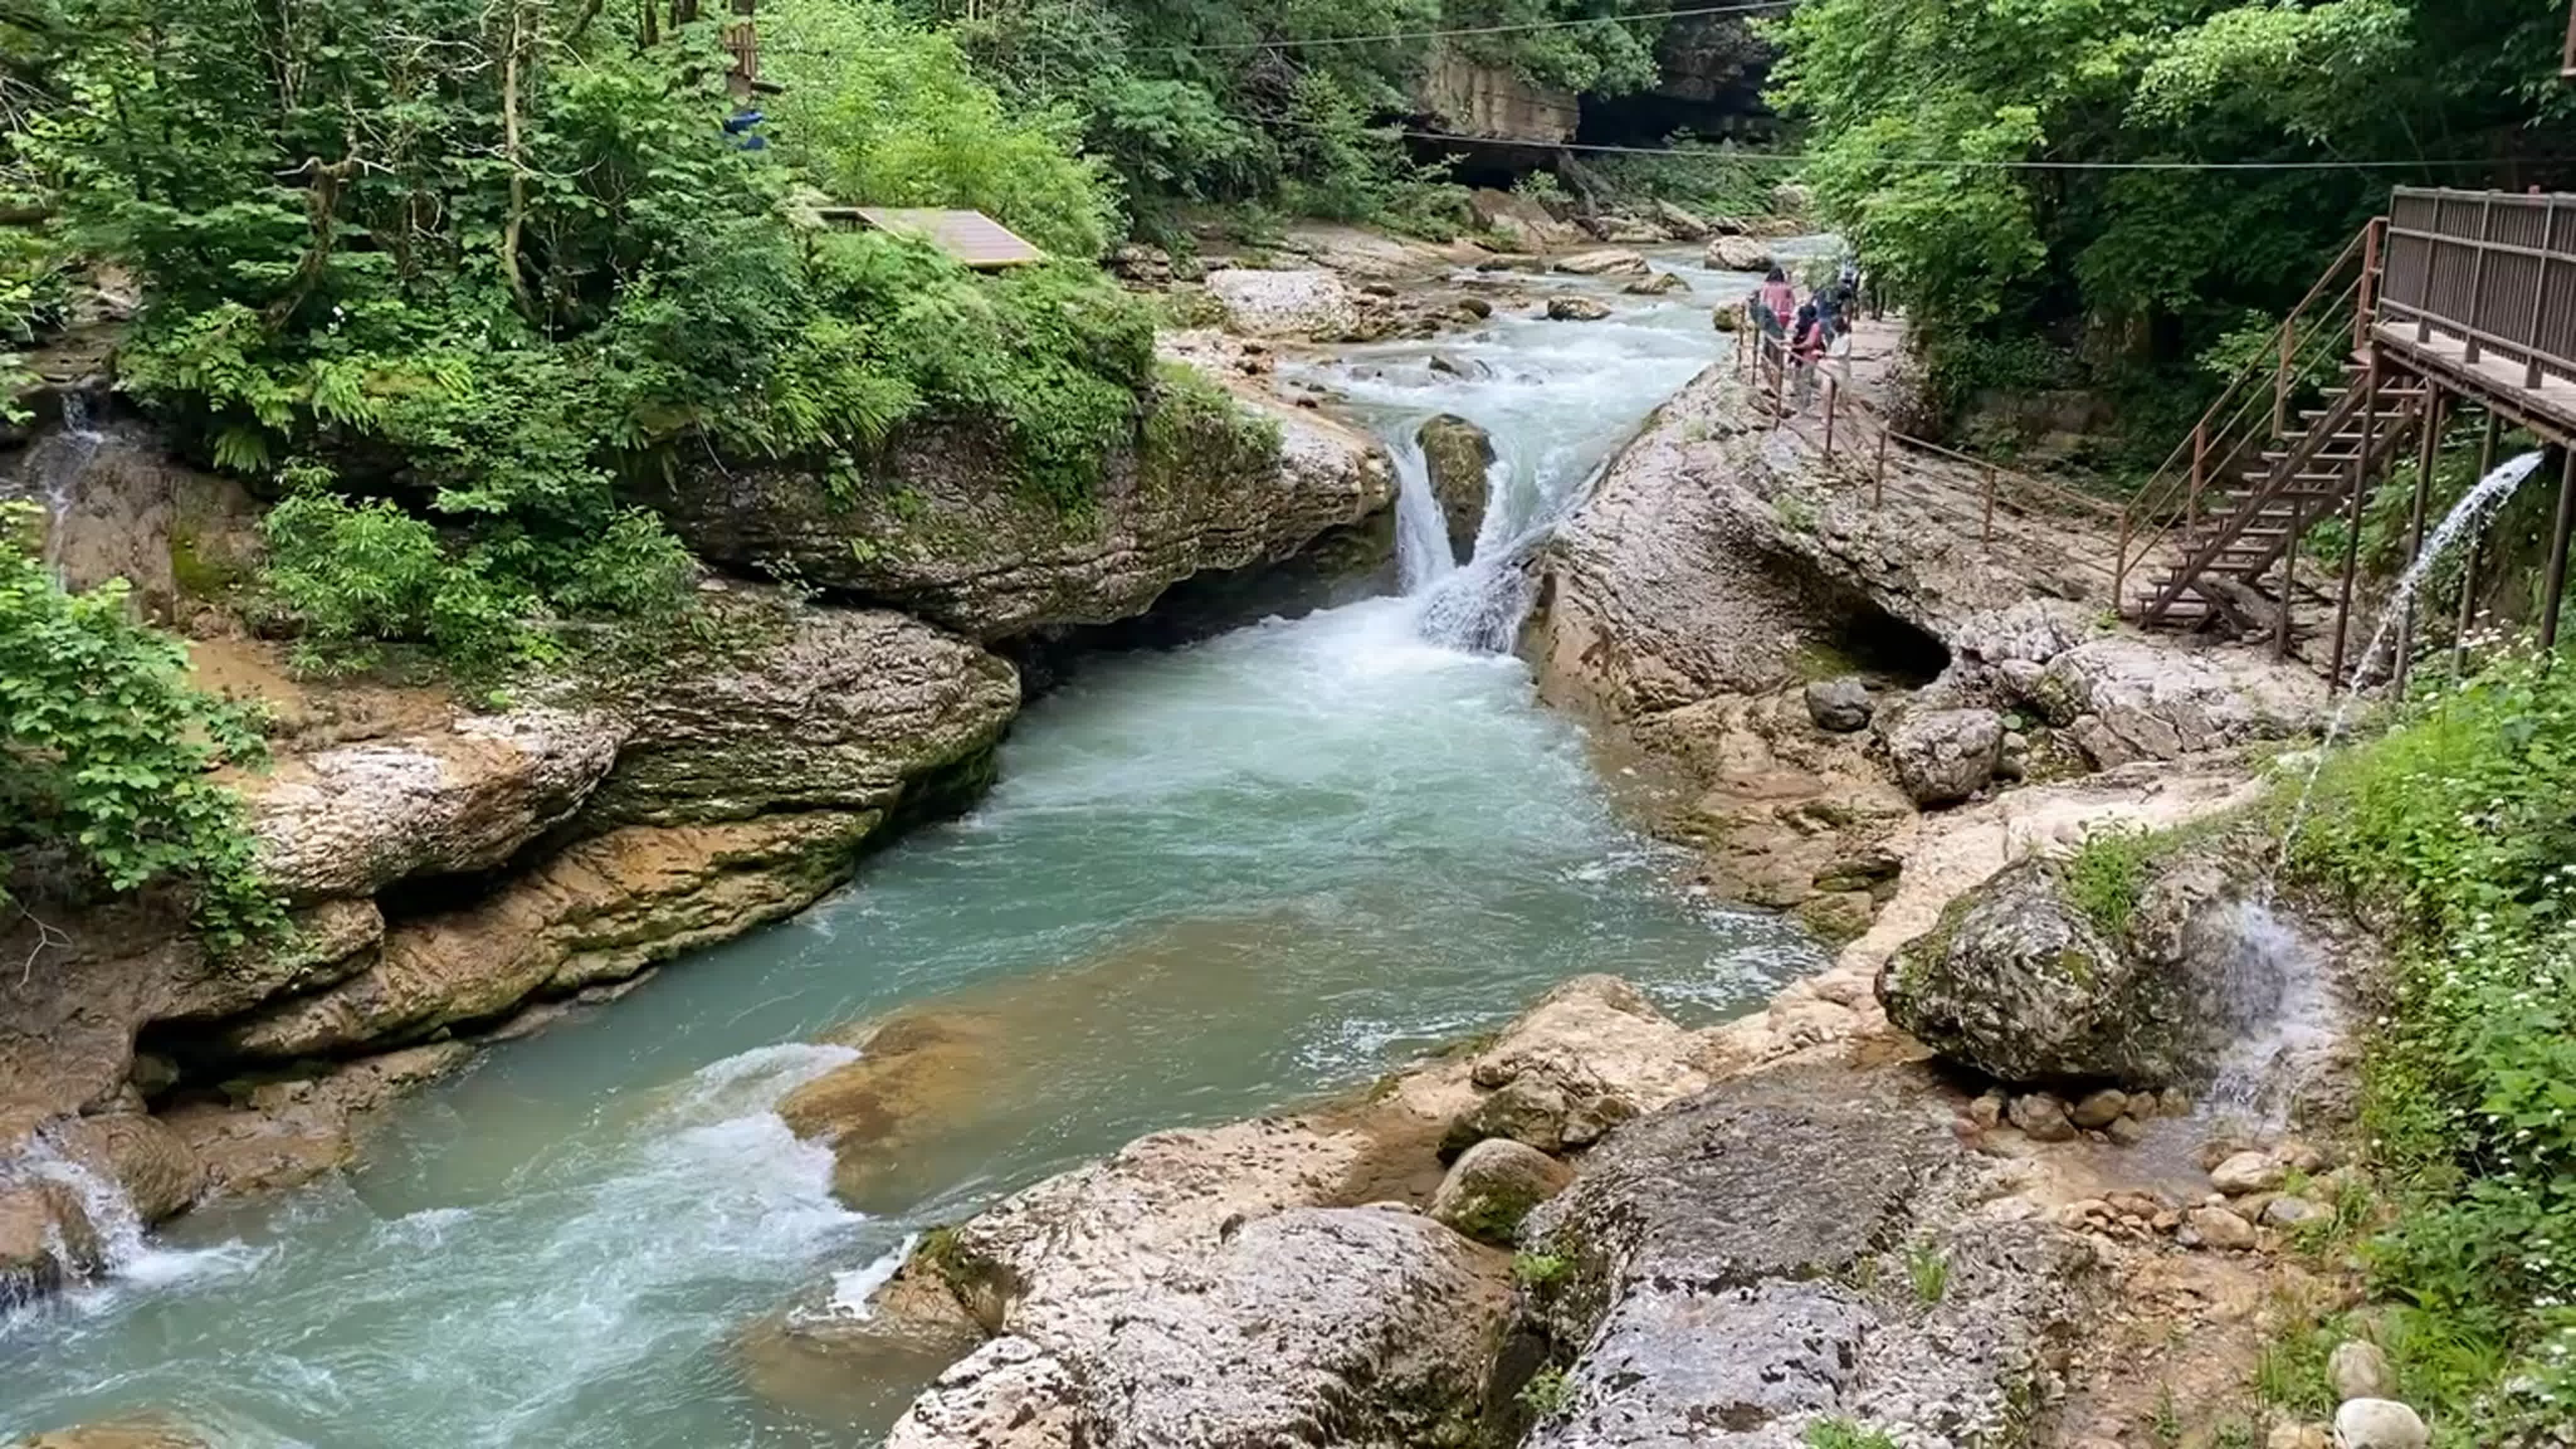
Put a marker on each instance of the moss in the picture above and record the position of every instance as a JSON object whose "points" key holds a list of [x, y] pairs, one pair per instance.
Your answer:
{"points": [[198, 574]]}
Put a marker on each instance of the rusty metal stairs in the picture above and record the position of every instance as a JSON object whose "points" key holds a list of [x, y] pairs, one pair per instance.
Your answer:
{"points": [[2235, 553]]}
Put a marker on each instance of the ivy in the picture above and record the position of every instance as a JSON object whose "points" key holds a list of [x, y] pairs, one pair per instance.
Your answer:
{"points": [[107, 753]]}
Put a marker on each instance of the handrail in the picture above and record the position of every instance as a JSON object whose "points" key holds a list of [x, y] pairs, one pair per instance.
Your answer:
{"points": [[2148, 520]]}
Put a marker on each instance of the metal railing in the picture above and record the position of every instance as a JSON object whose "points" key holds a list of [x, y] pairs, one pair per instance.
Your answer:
{"points": [[2494, 271], [2303, 356]]}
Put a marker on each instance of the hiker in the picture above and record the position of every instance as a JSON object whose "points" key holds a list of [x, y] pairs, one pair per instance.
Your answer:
{"points": [[1806, 348], [1832, 310], [1781, 298]]}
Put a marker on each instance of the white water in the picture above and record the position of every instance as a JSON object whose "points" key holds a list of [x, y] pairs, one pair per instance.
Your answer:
{"points": [[1210, 882], [2274, 996], [50, 472], [2465, 519]]}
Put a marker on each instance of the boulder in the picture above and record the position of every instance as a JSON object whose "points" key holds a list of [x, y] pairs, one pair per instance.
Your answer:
{"points": [[143, 1432], [1493, 1185], [1712, 1251], [2247, 1172], [2017, 983], [943, 532], [2289, 1212], [2097, 1110], [1684, 225], [1840, 705], [1460, 458], [1605, 262], [2359, 1369], [1943, 756], [1519, 221], [352, 820], [1657, 284], [1309, 306], [833, 709], [1184, 1293], [2379, 1424], [1727, 317], [1739, 254], [1576, 308], [1589, 1055], [2217, 1227], [2122, 698], [2042, 1118]]}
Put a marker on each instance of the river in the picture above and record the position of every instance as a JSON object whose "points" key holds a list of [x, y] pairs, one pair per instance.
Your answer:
{"points": [[1210, 882]]}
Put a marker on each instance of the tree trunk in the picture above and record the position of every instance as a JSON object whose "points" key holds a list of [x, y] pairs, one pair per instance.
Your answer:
{"points": [[514, 222]]}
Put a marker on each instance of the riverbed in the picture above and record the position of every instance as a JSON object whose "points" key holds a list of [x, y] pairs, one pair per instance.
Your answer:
{"points": [[1211, 882]]}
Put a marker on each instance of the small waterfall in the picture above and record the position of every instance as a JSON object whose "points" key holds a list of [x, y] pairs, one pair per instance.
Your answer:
{"points": [[1421, 534], [94, 1230], [2272, 995], [50, 471], [2464, 520]]}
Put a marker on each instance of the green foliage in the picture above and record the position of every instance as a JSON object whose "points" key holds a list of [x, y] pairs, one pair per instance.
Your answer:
{"points": [[1839, 1433], [108, 751], [2459, 827], [1532, 1268], [1547, 1393], [2109, 871], [1711, 180], [1918, 109], [1927, 1267]]}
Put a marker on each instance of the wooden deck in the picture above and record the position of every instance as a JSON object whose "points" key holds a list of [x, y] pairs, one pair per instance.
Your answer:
{"points": [[2498, 383]]}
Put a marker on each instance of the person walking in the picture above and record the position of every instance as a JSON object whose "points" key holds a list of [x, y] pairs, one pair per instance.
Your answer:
{"points": [[1806, 349], [1781, 298]]}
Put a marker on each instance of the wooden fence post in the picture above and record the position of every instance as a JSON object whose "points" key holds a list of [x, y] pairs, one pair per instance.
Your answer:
{"points": [[1878, 488]]}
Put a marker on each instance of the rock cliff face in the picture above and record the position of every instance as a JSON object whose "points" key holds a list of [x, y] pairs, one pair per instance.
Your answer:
{"points": [[937, 539], [1494, 103]]}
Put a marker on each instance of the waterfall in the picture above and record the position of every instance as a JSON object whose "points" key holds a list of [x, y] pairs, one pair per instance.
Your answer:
{"points": [[1421, 534], [2272, 995], [2464, 520], [52, 467], [93, 1229]]}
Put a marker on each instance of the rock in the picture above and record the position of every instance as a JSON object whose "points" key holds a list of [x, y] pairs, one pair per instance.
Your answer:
{"points": [[1459, 456], [2125, 1131], [1792, 200], [1943, 756], [143, 1432], [2297, 1436], [2042, 1118], [2359, 1369], [1986, 1110], [1589, 1055], [2244, 1172], [352, 820], [2379, 1424], [1493, 1185], [1607, 262], [1182, 1293], [1710, 1251], [841, 709], [1658, 284], [1142, 265], [1310, 306], [1576, 309], [1840, 704], [2097, 1110], [2020, 985], [1475, 309], [2282, 1212], [2122, 698], [1837, 916], [2219, 1228], [942, 531], [277, 1134], [1684, 225], [1518, 220], [1739, 254], [1727, 317]]}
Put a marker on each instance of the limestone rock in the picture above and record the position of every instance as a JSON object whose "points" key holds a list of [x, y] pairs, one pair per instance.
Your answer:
{"points": [[2379, 1424], [277, 1134], [1459, 456], [1492, 101], [1607, 262], [1684, 225], [2017, 983], [1576, 308], [840, 709], [2124, 699], [1493, 1185], [144, 1432], [1310, 306], [1738, 254], [2097, 1110], [2219, 1228], [2297, 1436], [1712, 1246], [1007, 1394], [349, 821], [1943, 756], [1182, 1293], [1656, 284], [1519, 220], [1840, 704], [2245, 1172], [2042, 1118], [2359, 1369], [943, 532], [1589, 1055]]}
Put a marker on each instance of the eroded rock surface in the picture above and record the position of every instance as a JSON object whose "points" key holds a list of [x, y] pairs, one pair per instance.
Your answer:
{"points": [[2125, 699], [1309, 306]]}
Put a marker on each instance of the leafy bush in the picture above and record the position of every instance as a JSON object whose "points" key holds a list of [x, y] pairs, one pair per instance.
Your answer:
{"points": [[106, 751], [2459, 828], [2108, 872], [1844, 1434], [1547, 1393]]}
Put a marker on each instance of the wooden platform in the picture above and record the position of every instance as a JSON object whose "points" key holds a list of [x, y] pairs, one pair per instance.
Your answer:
{"points": [[2496, 382]]}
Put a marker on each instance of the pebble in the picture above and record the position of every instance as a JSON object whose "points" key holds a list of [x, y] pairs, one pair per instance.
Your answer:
{"points": [[2125, 1132], [1987, 1110], [2247, 1172], [2042, 1118], [2220, 1228], [2283, 1211], [2359, 1370], [2100, 1109], [2380, 1424]]}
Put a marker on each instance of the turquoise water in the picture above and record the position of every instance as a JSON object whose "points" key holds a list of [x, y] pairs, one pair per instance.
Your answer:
{"points": [[1210, 882]]}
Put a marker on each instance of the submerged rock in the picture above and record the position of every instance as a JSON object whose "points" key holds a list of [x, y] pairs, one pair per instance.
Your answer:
{"points": [[147, 1432], [1577, 309]]}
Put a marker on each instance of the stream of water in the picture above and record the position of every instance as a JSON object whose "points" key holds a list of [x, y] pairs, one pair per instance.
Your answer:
{"points": [[1210, 882]]}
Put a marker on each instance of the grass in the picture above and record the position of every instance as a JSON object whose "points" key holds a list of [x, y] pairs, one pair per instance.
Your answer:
{"points": [[1844, 1434], [1537, 1269], [1547, 1393], [1928, 1269], [2108, 873]]}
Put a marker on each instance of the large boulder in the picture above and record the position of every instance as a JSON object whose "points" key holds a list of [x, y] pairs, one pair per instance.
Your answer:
{"points": [[1715, 1255], [1943, 756], [1307, 306], [1739, 254], [1684, 225], [1460, 458], [946, 535], [1186, 1292], [1577, 308], [2021, 984], [1591, 1054], [1605, 262], [2122, 698], [1519, 220]]}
